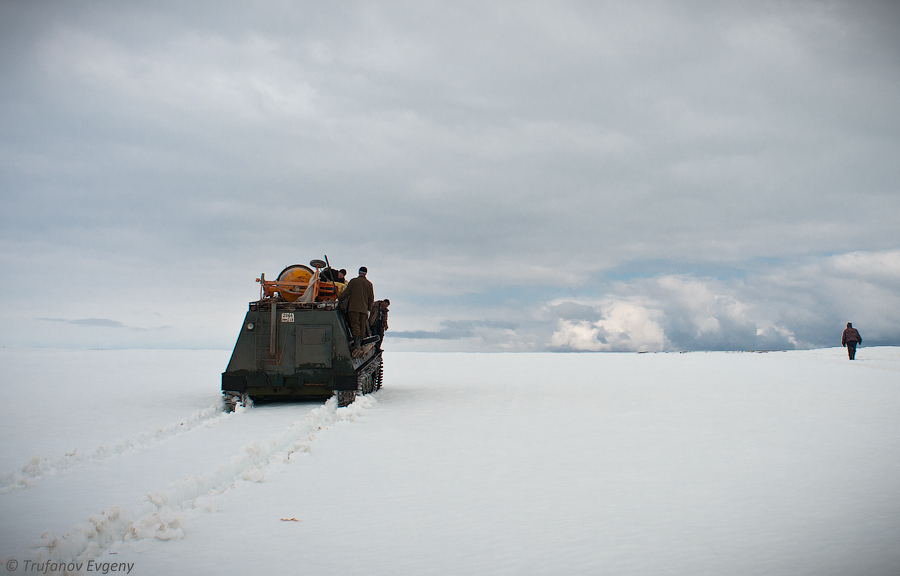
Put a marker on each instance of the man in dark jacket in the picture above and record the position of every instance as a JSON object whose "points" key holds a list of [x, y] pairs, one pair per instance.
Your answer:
{"points": [[360, 295], [850, 339]]}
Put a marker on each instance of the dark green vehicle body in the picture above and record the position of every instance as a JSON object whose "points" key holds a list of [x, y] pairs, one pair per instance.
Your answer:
{"points": [[298, 351]]}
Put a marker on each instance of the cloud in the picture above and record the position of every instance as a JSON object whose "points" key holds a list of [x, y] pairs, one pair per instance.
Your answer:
{"points": [[493, 162], [792, 305], [454, 330], [102, 322], [881, 268], [625, 325], [819, 293]]}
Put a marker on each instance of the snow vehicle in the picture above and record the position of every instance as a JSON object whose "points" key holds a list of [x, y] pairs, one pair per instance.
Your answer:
{"points": [[295, 344]]}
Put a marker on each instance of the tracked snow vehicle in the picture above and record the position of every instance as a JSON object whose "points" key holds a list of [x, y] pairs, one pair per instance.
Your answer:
{"points": [[295, 344]]}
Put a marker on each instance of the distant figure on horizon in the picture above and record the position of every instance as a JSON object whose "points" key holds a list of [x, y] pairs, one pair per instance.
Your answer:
{"points": [[850, 338]]}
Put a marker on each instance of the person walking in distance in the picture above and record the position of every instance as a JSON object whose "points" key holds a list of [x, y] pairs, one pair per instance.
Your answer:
{"points": [[360, 295], [378, 319], [850, 339]]}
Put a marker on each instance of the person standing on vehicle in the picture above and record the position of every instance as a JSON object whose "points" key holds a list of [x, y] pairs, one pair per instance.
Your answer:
{"points": [[850, 338], [378, 319], [360, 296]]}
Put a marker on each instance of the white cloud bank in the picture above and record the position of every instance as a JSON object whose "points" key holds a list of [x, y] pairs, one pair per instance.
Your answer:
{"points": [[625, 326], [785, 307]]}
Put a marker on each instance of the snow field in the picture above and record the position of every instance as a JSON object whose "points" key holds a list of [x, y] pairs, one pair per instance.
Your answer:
{"points": [[161, 514], [57, 400], [129, 489], [652, 464], [656, 464], [40, 467]]}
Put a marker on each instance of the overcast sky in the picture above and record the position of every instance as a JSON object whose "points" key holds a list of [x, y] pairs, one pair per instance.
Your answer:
{"points": [[516, 176]]}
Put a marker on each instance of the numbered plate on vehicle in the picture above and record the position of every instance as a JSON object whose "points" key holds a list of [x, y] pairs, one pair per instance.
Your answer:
{"points": [[287, 316]]}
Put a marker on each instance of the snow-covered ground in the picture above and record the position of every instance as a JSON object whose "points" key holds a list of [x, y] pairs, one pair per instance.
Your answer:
{"points": [[699, 463]]}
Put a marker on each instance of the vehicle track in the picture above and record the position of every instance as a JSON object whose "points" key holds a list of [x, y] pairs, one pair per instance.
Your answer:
{"points": [[160, 514], [38, 468]]}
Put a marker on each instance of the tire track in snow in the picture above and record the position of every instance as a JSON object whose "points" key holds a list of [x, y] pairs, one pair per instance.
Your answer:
{"points": [[160, 515], [39, 468]]}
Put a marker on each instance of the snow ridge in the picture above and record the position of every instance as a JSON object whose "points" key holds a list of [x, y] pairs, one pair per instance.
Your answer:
{"points": [[160, 515], [40, 468]]}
